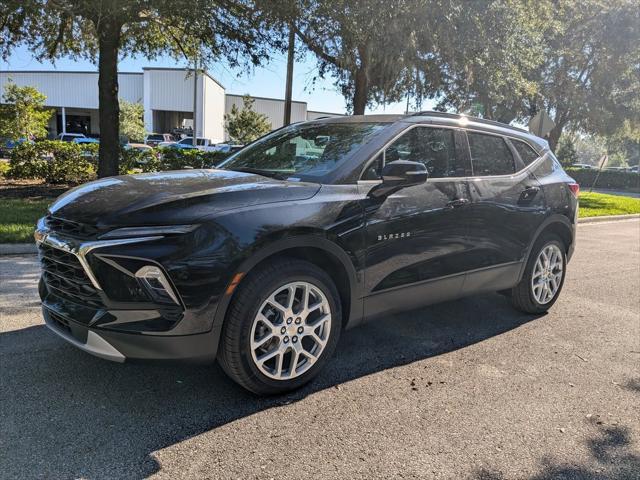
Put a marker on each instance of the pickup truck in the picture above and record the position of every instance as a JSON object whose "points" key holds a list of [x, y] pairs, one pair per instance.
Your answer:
{"points": [[186, 143]]}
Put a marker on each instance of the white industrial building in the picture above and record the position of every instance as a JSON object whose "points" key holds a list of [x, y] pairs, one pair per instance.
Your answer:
{"points": [[167, 95]]}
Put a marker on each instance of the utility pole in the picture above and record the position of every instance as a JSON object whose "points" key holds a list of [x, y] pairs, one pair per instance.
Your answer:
{"points": [[195, 97], [287, 95]]}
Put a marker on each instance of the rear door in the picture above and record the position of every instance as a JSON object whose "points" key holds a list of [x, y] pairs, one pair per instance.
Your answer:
{"points": [[416, 238], [507, 206]]}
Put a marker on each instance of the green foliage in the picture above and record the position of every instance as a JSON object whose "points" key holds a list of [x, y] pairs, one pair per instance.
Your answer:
{"points": [[244, 126], [489, 50], [608, 179], [54, 161], [4, 168], [369, 47], [177, 159], [18, 218], [132, 160], [71, 163], [22, 114], [105, 30], [625, 144], [566, 151], [599, 204], [132, 121]]}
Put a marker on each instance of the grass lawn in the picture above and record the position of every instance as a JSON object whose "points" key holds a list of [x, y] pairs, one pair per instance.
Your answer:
{"points": [[18, 218], [598, 204]]}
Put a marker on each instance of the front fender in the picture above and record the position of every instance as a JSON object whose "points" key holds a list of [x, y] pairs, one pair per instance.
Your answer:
{"points": [[272, 248]]}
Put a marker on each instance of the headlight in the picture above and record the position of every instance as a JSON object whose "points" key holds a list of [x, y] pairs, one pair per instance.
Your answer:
{"points": [[128, 232]]}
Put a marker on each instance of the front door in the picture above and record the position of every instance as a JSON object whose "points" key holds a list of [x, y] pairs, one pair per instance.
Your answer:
{"points": [[417, 238]]}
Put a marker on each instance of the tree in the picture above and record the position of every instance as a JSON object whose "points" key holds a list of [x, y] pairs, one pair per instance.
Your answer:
{"points": [[590, 79], [579, 61], [488, 51], [22, 114], [102, 30], [368, 46], [132, 121], [244, 126], [567, 153]]}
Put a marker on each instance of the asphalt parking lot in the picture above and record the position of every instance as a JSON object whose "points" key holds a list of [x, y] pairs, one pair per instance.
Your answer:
{"points": [[467, 389]]}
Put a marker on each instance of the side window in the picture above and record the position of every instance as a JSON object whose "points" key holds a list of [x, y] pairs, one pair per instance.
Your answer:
{"points": [[490, 155], [527, 154], [434, 147]]}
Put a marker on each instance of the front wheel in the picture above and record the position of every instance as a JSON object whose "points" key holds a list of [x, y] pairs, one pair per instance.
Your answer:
{"points": [[282, 327], [543, 278]]}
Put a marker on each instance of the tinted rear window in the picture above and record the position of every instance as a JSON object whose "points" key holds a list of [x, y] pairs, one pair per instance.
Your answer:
{"points": [[527, 154], [155, 137], [490, 155]]}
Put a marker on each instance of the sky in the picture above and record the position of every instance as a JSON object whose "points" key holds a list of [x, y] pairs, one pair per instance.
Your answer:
{"points": [[265, 81]]}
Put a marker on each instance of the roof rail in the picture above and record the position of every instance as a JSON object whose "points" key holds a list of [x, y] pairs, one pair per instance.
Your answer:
{"points": [[457, 116]]}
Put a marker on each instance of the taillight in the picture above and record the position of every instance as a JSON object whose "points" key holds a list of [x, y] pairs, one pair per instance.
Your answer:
{"points": [[575, 189]]}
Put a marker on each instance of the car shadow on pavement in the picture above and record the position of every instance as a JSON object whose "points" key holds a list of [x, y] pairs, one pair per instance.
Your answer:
{"points": [[66, 414]]}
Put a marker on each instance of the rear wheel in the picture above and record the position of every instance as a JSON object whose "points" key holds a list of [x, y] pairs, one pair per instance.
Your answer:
{"points": [[281, 328], [543, 278]]}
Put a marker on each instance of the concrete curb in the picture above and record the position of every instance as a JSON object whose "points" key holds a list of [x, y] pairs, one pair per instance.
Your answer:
{"points": [[30, 248], [18, 248], [608, 218]]}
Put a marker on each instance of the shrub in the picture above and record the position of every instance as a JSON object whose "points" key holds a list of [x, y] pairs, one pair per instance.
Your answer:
{"points": [[177, 159], [54, 161], [607, 179], [4, 168], [132, 161], [64, 162]]}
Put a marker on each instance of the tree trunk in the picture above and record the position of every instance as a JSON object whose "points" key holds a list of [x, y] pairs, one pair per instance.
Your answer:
{"points": [[554, 136], [361, 92], [108, 106]]}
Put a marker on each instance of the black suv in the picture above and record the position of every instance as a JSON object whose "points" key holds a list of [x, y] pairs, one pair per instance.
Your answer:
{"points": [[313, 228]]}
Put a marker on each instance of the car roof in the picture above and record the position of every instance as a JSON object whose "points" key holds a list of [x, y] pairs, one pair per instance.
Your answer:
{"points": [[442, 118]]}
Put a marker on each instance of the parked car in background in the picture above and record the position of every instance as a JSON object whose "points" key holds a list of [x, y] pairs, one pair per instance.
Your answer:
{"points": [[85, 140], [141, 147], [582, 165], [312, 229], [228, 148], [7, 145], [186, 143], [70, 137], [153, 139]]}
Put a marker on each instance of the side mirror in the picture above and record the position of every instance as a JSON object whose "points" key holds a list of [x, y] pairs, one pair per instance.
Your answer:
{"points": [[398, 175]]}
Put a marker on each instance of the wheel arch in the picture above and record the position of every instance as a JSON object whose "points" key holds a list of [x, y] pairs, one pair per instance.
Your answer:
{"points": [[315, 249], [558, 225]]}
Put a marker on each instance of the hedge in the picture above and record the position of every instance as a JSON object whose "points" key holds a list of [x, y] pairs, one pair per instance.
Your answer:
{"points": [[607, 179], [59, 162]]}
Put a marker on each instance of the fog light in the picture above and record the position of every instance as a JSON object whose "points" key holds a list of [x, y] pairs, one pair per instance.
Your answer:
{"points": [[156, 284]]}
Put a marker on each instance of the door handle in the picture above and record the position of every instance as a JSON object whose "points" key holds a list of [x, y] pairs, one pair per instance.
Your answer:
{"points": [[458, 202]]}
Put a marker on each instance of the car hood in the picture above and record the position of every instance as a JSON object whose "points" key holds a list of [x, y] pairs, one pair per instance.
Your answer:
{"points": [[175, 197]]}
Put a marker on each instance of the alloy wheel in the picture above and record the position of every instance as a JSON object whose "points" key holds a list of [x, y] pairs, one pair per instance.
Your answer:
{"points": [[547, 274], [290, 330]]}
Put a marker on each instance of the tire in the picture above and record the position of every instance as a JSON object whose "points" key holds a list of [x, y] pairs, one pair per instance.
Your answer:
{"points": [[523, 295], [243, 330]]}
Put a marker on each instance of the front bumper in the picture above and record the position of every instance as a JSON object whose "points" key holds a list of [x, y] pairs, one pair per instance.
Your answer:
{"points": [[85, 303], [121, 347]]}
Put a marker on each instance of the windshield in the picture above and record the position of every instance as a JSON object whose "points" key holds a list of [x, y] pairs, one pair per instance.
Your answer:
{"points": [[309, 150]]}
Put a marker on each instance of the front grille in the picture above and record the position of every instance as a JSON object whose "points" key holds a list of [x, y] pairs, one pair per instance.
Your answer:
{"points": [[60, 322], [71, 229], [64, 276]]}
